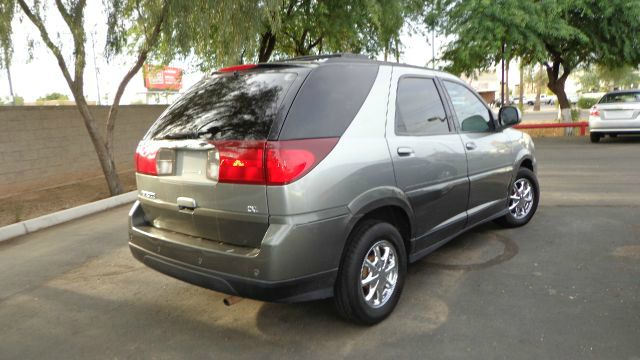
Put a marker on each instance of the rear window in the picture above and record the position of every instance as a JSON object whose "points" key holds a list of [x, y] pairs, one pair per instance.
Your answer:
{"points": [[234, 106], [626, 97], [329, 100]]}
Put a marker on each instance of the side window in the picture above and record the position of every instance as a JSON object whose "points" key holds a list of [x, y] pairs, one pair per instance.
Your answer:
{"points": [[472, 114], [419, 109]]}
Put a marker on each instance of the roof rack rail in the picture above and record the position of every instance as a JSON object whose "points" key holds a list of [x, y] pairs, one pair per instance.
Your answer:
{"points": [[327, 56]]}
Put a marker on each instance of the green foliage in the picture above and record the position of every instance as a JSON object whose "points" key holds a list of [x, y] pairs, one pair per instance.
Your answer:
{"points": [[53, 96], [601, 78], [586, 102], [560, 34], [589, 80], [575, 114], [7, 10], [226, 32]]}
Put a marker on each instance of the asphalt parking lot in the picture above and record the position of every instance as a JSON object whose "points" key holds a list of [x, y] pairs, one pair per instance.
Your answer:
{"points": [[567, 286]]}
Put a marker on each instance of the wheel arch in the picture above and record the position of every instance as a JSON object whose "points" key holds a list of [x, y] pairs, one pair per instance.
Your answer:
{"points": [[387, 204]]}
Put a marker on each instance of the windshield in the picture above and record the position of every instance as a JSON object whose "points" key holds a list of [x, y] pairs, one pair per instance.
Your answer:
{"points": [[233, 106], [624, 97]]}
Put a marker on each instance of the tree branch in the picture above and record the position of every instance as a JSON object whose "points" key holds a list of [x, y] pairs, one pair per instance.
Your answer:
{"points": [[142, 57], [74, 21], [39, 24]]}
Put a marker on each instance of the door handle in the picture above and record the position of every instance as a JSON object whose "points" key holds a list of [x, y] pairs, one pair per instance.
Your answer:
{"points": [[405, 151], [471, 146]]}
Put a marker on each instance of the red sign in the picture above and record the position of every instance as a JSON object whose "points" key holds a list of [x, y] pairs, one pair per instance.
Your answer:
{"points": [[162, 77]]}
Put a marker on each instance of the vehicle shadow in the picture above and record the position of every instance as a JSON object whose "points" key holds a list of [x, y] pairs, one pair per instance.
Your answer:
{"points": [[621, 139]]}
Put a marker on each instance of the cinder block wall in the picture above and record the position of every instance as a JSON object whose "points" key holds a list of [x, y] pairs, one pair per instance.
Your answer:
{"points": [[43, 146]]}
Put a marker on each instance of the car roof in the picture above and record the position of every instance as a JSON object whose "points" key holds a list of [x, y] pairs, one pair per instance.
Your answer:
{"points": [[321, 60]]}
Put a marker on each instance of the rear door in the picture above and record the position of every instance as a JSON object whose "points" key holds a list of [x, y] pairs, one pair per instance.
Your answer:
{"points": [[223, 120], [428, 156], [489, 156]]}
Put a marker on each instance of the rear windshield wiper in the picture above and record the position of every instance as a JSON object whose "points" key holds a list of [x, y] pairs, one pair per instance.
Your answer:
{"points": [[211, 131]]}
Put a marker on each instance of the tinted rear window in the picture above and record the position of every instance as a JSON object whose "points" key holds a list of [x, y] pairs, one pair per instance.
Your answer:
{"points": [[626, 97], [329, 100], [226, 106]]}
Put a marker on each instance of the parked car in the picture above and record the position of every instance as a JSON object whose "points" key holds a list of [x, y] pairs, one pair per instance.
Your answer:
{"points": [[544, 99], [573, 98], [323, 176], [617, 112]]}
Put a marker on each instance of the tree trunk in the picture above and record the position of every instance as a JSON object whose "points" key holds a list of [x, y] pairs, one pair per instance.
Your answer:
{"points": [[507, 97], [556, 85], [267, 45], [106, 162], [521, 93]]}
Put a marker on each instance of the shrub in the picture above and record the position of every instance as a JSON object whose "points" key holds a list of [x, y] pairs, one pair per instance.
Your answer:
{"points": [[575, 114], [586, 102]]}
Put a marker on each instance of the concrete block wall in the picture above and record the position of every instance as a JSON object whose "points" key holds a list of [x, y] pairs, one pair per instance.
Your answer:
{"points": [[44, 146]]}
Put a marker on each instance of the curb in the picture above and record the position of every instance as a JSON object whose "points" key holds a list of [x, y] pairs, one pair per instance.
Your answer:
{"points": [[59, 217]]}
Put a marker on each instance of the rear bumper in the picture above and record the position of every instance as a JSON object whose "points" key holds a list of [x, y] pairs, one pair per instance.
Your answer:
{"points": [[617, 126], [295, 262], [317, 286]]}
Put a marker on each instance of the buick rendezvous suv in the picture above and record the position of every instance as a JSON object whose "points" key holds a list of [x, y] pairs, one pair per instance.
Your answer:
{"points": [[323, 177]]}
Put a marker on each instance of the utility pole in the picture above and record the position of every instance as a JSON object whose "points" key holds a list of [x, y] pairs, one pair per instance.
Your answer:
{"points": [[95, 66], [502, 81], [433, 47]]}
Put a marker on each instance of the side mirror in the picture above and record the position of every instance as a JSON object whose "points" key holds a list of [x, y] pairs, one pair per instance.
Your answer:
{"points": [[509, 116]]}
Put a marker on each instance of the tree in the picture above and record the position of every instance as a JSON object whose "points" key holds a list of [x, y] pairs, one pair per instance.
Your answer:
{"points": [[256, 31], [559, 34], [146, 18], [623, 77]]}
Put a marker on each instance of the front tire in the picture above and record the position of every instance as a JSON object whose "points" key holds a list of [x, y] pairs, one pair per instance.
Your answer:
{"points": [[372, 273], [595, 137], [524, 195]]}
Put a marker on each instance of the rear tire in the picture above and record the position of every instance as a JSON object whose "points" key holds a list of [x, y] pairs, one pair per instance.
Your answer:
{"points": [[595, 137], [524, 195], [613, 135], [361, 263]]}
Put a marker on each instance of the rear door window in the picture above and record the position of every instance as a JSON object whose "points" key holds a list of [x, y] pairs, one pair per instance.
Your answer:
{"points": [[233, 106], [419, 109], [328, 101]]}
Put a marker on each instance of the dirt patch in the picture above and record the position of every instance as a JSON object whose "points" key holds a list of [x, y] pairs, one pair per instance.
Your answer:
{"points": [[29, 205]]}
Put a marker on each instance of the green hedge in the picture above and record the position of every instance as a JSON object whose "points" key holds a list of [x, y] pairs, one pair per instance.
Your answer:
{"points": [[586, 102]]}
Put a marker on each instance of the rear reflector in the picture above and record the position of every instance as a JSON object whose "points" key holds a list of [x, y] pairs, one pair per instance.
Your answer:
{"points": [[237, 68], [268, 162]]}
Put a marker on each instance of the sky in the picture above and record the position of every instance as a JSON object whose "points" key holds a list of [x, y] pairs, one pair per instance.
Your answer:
{"points": [[38, 74]]}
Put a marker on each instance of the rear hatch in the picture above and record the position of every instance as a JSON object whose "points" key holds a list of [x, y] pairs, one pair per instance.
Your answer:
{"points": [[200, 166]]}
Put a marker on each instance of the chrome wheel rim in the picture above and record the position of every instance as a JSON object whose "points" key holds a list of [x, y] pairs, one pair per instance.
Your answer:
{"points": [[521, 198], [379, 274]]}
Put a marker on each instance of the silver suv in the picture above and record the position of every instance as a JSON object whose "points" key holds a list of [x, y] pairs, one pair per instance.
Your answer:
{"points": [[323, 176]]}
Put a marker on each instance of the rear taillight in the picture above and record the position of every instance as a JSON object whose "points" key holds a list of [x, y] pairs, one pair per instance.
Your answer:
{"points": [[240, 162], [594, 111], [152, 160], [289, 160], [267, 162]]}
